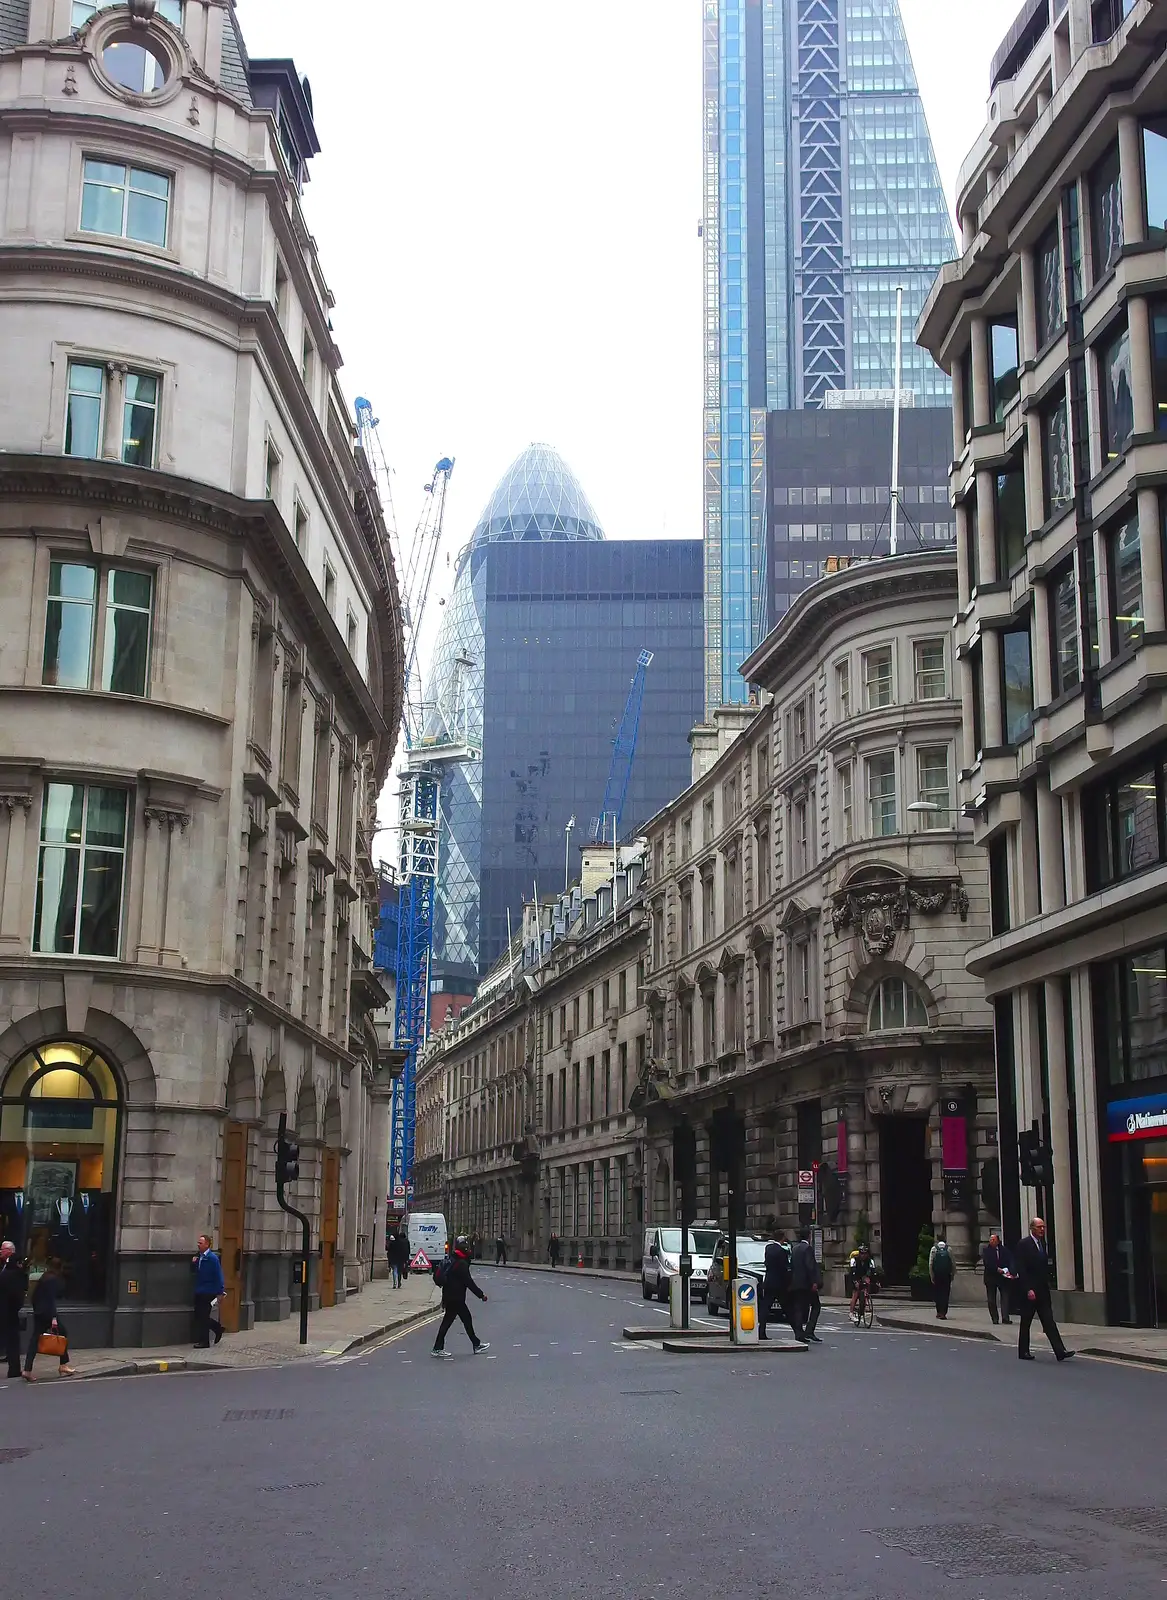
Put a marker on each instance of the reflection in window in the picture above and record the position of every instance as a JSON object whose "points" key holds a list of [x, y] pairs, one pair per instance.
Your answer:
{"points": [[139, 419], [1010, 502], [1123, 817], [896, 1004], [1133, 995], [71, 628], [85, 409], [81, 867], [58, 1154], [136, 65], [1115, 395], [1159, 363], [933, 786], [1126, 585], [1106, 212], [1063, 602], [1017, 684], [1057, 471], [1003, 354], [1051, 307], [126, 202], [1155, 177]]}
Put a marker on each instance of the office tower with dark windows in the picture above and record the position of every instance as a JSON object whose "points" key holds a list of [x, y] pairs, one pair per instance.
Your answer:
{"points": [[821, 198], [533, 665]]}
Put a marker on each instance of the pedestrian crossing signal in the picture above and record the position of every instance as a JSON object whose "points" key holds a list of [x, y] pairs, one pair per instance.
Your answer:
{"points": [[420, 1262]]}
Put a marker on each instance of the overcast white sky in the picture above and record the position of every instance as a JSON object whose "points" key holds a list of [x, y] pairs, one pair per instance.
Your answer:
{"points": [[507, 207]]}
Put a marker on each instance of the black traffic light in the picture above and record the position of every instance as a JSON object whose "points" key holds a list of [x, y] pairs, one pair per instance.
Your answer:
{"points": [[727, 1140], [1037, 1168], [685, 1168], [287, 1159]]}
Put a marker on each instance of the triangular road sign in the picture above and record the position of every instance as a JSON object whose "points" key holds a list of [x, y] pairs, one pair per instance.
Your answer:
{"points": [[420, 1262]]}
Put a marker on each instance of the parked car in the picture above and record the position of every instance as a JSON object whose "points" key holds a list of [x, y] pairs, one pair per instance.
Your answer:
{"points": [[751, 1263], [662, 1259]]}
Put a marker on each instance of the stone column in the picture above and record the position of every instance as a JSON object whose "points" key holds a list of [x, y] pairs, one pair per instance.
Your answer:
{"points": [[14, 811], [982, 384], [963, 576], [1130, 159], [960, 423], [991, 688], [1049, 832], [1034, 473], [968, 752], [1059, 1123], [1027, 311], [1043, 687], [1028, 881], [1102, 595], [986, 527], [1151, 557]]}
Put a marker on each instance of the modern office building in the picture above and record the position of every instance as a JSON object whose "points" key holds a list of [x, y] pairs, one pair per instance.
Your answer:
{"points": [[828, 494], [533, 667], [201, 670], [1053, 324], [821, 197]]}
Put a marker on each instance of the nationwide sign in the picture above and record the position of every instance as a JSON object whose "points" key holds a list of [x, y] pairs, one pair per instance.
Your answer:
{"points": [[1145, 1118]]}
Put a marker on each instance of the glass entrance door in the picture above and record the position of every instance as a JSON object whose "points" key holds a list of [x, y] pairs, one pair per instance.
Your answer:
{"points": [[1157, 1198]]}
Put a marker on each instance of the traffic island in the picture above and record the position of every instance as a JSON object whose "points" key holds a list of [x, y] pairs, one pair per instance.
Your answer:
{"points": [[721, 1347], [670, 1332]]}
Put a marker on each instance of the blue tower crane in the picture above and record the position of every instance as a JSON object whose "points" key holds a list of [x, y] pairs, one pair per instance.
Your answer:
{"points": [[623, 751]]}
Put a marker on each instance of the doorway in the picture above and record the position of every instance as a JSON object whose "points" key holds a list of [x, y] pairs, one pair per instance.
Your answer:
{"points": [[905, 1193], [329, 1226], [233, 1213]]}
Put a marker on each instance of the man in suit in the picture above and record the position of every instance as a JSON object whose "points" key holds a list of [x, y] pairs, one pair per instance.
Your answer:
{"points": [[805, 1282], [775, 1281], [998, 1271], [1033, 1270], [13, 1288]]}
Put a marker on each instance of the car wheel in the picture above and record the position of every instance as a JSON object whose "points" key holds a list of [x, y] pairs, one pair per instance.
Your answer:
{"points": [[645, 1291], [710, 1308], [662, 1290]]}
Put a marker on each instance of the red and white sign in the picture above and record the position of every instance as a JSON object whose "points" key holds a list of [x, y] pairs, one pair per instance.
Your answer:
{"points": [[806, 1180], [420, 1262], [399, 1191]]}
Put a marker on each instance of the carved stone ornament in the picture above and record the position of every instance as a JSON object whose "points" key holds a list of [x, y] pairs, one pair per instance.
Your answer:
{"points": [[12, 800], [141, 11], [877, 911], [69, 87], [167, 816], [192, 115]]}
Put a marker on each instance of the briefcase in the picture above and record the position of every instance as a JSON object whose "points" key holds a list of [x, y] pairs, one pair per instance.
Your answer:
{"points": [[52, 1344]]}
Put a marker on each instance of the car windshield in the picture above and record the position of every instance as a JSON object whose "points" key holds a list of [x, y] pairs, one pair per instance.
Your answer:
{"points": [[750, 1252], [702, 1241]]}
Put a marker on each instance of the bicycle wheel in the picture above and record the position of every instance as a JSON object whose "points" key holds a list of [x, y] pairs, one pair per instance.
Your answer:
{"points": [[868, 1310]]}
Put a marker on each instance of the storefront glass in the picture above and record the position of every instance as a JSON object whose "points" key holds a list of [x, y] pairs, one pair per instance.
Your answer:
{"points": [[59, 1112]]}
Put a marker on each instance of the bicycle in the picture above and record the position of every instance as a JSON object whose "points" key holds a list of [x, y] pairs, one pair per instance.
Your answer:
{"points": [[864, 1313]]}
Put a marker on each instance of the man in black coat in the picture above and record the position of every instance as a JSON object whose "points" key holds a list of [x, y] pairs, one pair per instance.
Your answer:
{"points": [[13, 1288], [775, 1282], [998, 1271], [1032, 1261], [456, 1281], [805, 1281]]}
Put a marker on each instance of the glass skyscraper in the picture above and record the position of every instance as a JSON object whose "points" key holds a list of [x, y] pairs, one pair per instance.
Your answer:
{"points": [[821, 197]]}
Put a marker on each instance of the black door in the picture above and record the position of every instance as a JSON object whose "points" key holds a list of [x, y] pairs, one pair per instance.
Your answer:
{"points": [[905, 1193]]}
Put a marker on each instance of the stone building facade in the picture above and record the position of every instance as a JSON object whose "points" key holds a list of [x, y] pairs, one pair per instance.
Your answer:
{"points": [[1053, 323], [200, 677], [811, 899], [527, 1102]]}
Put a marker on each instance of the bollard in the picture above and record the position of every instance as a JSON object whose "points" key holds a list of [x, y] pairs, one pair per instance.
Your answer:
{"points": [[743, 1310]]}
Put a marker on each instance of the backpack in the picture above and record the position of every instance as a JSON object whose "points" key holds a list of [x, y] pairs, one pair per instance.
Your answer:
{"points": [[441, 1272], [942, 1262]]}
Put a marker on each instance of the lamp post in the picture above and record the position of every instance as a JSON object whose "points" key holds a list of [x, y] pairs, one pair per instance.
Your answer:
{"points": [[929, 808], [567, 853]]}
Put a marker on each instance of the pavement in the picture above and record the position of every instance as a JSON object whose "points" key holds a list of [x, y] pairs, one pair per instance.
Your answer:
{"points": [[567, 1463], [967, 1322]]}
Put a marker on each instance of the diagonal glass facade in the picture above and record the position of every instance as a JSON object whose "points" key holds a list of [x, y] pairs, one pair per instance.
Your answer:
{"points": [[821, 196]]}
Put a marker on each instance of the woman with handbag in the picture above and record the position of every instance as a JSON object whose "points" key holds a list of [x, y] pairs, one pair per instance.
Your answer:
{"points": [[48, 1336]]}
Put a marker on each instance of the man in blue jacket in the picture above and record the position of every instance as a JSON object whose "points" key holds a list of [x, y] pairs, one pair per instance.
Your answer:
{"points": [[208, 1287]]}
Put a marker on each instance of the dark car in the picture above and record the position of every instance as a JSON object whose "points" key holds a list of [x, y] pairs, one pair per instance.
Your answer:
{"points": [[751, 1263]]}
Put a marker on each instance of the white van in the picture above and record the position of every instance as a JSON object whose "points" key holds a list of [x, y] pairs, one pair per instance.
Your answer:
{"points": [[662, 1258], [427, 1231]]}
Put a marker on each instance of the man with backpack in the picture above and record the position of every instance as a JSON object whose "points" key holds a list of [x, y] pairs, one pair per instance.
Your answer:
{"points": [[940, 1270], [453, 1278]]}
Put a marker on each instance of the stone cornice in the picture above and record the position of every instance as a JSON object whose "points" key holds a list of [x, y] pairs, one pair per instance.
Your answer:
{"points": [[103, 484]]}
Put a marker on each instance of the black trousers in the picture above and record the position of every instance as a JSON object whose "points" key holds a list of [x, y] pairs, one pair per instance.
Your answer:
{"points": [[804, 1312], [449, 1315], [500, 1255], [43, 1325], [815, 1305], [1044, 1312], [11, 1338], [772, 1307], [204, 1323], [994, 1288], [942, 1289]]}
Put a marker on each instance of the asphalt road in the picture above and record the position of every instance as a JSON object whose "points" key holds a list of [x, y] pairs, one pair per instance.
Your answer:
{"points": [[563, 1463]]}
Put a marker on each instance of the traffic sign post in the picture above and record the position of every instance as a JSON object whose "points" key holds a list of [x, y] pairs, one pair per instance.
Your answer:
{"points": [[420, 1263]]}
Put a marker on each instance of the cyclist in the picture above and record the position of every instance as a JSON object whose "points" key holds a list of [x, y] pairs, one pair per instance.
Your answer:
{"points": [[862, 1271]]}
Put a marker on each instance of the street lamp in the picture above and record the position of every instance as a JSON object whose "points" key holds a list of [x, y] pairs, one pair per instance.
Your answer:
{"points": [[567, 853], [929, 808]]}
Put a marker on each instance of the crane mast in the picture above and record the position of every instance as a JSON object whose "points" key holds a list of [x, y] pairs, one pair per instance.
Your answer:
{"points": [[607, 824]]}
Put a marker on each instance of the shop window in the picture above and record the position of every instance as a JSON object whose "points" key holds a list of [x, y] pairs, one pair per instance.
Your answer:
{"points": [[1106, 213], [1004, 360], [1065, 657], [1051, 304], [59, 1115], [1124, 824], [1115, 394], [881, 795], [1155, 178], [97, 628], [1010, 520], [896, 1003], [81, 870], [1016, 684], [1124, 558], [931, 676], [1056, 461]]}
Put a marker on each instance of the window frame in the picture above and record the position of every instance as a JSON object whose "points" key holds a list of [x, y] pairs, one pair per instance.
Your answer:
{"points": [[843, 688], [101, 609], [882, 651], [82, 850], [880, 831], [1051, 409], [1049, 250], [127, 189], [1059, 681], [1105, 179], [941, 819], [1126, 632], [1022, 733], [845, 774], [1004, 386], [1010, 549], [877, 1001], [921, 673], [1116, 422], [1103, 811], [96, 7]]}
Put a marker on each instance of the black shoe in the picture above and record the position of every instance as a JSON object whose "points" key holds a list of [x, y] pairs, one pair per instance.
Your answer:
{"points": [[814, 1338], [1067, 1355], [218, 1334], [1027, 1358], [1006, 1322]]}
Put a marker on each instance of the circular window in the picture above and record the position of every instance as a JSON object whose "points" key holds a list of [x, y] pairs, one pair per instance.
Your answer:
{"points": [[136, 66]]}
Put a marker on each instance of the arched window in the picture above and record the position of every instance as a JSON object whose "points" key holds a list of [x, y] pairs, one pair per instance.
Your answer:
{"points": [[896, 1004], [59, 1114]]}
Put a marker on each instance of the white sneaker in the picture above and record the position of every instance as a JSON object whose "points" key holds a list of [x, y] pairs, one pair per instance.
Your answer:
{"points": [[479, 1348], [442, 1355]]}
